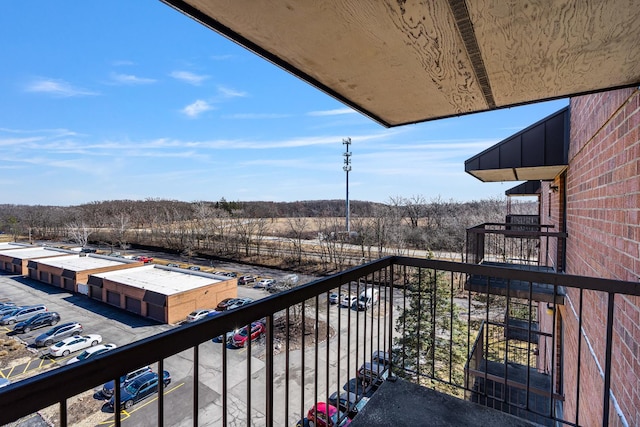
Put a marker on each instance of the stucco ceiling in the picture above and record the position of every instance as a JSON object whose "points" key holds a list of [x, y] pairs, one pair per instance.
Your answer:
{"points": [[402, 62]]}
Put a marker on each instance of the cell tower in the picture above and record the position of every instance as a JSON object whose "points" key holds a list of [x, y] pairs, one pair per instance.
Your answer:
{"points": [[347, 169]]}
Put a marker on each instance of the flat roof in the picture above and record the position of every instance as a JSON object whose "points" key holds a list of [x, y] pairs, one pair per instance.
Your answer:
{"points": [[34, 252], [161, 280], [13, 245], [74, 262]]}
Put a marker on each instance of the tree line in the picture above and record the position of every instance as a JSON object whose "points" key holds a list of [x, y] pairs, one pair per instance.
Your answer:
{"points": [[295, 233]]}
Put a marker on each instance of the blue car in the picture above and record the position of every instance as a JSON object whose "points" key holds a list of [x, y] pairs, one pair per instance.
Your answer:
{"points": [[138, 389], [107, 388]]}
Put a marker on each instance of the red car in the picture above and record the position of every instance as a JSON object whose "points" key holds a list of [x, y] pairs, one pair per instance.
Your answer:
{"points": [[145, 259], [257, 329], [323, 415]]}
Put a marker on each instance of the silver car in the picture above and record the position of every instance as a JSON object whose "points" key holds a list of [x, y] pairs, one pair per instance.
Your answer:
{"points": [[57, 333], [22, 314]]}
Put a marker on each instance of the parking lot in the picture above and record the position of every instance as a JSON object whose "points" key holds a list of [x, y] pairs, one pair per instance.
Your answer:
{"points": [[120, 327]]}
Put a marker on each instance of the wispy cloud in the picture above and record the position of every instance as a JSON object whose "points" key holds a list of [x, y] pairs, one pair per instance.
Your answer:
{"points": [[336, 112], [58, 88], [130, 79], [221, 57], [195, 109], [122, 62], [189, 77], [230, 93]]}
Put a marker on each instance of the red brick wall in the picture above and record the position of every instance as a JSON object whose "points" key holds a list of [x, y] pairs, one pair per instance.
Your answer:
{"points": [[603, 212]]}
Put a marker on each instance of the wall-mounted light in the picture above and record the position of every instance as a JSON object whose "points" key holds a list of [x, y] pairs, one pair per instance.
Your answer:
{"points": [[549, 309], [553, 189]]}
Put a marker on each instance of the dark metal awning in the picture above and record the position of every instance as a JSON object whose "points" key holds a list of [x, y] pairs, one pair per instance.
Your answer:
{"points": [[539, 152], [529, 188], [401, 62]]}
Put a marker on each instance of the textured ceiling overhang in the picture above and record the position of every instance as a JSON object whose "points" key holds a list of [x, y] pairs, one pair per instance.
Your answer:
{"points": [[539, 152], [401, 62]]}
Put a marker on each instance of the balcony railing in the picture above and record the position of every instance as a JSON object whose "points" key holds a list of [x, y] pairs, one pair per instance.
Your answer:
{"points": [[520, 243], [436, 332]]}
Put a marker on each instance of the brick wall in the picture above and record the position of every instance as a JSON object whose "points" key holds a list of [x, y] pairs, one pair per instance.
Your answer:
{"points": [[603, 212]]}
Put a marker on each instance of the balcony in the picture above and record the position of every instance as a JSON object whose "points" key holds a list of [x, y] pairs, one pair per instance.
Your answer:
{"points": [[449, 346], [517, 245]]}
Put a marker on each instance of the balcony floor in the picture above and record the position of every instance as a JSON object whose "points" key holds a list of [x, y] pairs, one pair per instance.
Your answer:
{"points": [[402, 403]]}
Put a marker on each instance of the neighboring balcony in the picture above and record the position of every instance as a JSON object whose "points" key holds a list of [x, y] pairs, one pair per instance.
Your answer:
{"points": [[420, 348], [519, 244]]}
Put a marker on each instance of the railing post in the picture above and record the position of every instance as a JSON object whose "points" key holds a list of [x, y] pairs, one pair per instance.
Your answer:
{"points": [[392, 377], [607, 359], [269, 373]]}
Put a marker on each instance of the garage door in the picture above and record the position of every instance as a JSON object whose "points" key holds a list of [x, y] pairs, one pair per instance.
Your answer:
{"points": [[33, 274], [68, 284], [113, 298], [44, 277], [133, 305], [55, 281], [95, 292], [156, 312]]}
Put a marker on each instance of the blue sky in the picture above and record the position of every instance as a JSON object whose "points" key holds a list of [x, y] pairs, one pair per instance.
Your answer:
{"points": [[132, 100]]}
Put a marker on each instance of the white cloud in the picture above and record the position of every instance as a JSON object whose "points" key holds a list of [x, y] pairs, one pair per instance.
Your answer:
{"points": [[230, 93], [336, 112], [59, 88], [130, 79], [195, 109], [189, 77]]}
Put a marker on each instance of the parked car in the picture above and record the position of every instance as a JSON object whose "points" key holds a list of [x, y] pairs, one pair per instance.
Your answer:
{"points": [[91, 353], [58, 333], [88, 251], [48, 318], [349, 300], [348, 402], [199, 314], [108, 387], [4, 382], [264, 283], [22, 314], [246, 279], [372, 373], [240, 302], [227, 337], [323, 415], [226, 303], [231, 274], [240, 339], [173, 265], [74, 343], [141, 387], [7, 310], [335, 298], [8, 304], [145, 259], [194, 268]]}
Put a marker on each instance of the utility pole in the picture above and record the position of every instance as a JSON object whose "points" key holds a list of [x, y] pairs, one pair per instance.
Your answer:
{"points": [[347, 169]]}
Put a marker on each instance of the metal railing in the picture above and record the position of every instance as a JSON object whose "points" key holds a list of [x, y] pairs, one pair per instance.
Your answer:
{"points": [[522, 244], [418, 312]]}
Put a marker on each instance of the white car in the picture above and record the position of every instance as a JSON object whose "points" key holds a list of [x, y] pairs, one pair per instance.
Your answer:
{"points": [[348, 301], [74, 343], [265, 283], [91, 352], [196, 315]]}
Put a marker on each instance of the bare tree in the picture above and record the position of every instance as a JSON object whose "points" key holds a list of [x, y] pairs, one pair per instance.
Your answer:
{"points": [[79, 232]]}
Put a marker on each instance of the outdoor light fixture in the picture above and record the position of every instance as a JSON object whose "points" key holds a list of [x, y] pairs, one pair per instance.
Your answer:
{"points": [[553, 189], [549, 309]]}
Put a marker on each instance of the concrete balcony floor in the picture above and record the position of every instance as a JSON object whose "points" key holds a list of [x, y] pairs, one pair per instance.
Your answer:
{"points": [[402, 403]]}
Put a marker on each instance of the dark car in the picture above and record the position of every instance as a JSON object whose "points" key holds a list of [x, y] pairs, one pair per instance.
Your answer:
{"points": [[226, 303], [58, 333], [141, 387], [107, 388], [49, 318], [194, 268]]}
